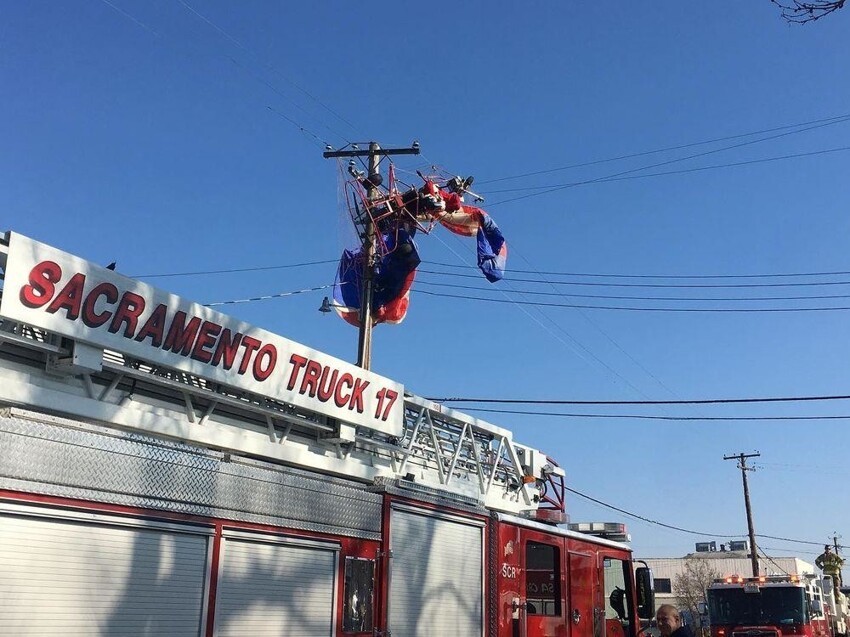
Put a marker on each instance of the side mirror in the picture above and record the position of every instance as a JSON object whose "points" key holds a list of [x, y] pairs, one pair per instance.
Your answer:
{"points": [[645, 592]]}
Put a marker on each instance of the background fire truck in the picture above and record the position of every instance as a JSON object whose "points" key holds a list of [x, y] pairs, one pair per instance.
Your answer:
{"points": [[772, 606], [168, 470]]}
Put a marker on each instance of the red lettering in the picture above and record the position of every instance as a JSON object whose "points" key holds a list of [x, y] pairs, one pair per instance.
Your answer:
{"points": [[92, 318], [251, 345], [269, 353], [311, 378], [356, 400], [297, 363], [327, 383], [226, 349], [129, 308], [391, 398], [154, 327], [206, 338], [70, 298], [181, 335], [339, 399], [42, 280]]}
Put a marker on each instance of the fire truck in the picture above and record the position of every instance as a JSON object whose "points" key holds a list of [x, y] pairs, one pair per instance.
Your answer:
{"points": [[166, 469], [776, 605]]}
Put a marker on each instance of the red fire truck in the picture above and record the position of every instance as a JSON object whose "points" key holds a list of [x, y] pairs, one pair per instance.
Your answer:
{"points": [[168, 470], [773, 606]]}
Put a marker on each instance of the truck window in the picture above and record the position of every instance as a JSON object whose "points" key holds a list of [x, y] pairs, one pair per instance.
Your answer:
{"points": [[359, 587], [617, 598], [775, 606], [543, 579]]}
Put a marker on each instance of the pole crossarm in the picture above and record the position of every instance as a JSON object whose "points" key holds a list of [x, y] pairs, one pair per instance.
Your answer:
{"points": [[412, 150]]}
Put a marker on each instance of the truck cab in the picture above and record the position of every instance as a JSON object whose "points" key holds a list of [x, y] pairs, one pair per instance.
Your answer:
{"points": [[768, 606]]}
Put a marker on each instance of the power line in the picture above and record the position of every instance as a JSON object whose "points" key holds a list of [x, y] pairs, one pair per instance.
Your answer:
{"points": [[667, 418], [537, 304], [706, 401], [714, 286], [657, 276], [556, 273], [618, 176], [303, 129], [624, 308], [615, 176], [668, 149], [268, 65], [645, 298], [269, 296], [231, 270], [678, 528], [681, 171], [645, 519]]}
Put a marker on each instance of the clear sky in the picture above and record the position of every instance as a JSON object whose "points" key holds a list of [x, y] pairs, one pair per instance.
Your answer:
{"points": [[178, 137]]}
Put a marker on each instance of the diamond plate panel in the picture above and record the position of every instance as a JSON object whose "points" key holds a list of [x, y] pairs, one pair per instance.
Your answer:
{"points": [[69, 459]]}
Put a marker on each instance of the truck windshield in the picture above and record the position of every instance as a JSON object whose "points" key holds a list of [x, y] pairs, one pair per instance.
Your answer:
{"points": [[774, 606]]}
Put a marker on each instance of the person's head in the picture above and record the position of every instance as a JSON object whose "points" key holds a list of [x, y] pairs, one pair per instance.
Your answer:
{"points": [[668, 619], [827, 548]]}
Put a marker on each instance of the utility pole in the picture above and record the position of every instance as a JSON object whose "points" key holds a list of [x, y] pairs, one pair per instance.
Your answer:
{"points": [[368, 237], [742, 465]]}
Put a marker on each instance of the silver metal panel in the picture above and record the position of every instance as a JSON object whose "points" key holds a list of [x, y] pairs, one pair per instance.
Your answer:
{"points": [[76, 578], [271, 588], [437, 576], [45, 455]]}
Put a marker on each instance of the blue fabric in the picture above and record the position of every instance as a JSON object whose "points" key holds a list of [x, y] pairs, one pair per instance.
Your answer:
{"points": [[401, 258], [492, 251]]}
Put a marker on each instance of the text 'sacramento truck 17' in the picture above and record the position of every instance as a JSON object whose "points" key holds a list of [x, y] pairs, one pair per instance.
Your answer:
{"points": [[168, 470], [776, 606]]}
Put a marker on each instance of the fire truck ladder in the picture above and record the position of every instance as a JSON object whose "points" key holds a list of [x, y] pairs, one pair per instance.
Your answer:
{"points": [[450, 452]]}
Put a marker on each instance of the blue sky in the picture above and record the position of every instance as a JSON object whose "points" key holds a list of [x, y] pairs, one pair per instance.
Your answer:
{"points": [[183, 137]]}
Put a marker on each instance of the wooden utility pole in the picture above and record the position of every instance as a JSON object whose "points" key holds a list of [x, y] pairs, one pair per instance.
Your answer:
{"points": [[368, 239], [742, 465]]}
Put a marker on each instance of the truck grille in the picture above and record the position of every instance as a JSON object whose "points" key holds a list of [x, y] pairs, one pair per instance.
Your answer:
{"points": [[755, 632]]}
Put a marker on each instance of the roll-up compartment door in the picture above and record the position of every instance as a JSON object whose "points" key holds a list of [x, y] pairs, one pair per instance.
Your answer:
{"points": [[70, 574], [437, 576], [273, 586]]}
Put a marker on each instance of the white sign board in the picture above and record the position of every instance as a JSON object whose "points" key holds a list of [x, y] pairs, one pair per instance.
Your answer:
{"points": [[51, 289]]}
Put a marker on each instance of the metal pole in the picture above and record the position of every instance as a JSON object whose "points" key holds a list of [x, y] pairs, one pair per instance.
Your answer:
{"points": [[742, 465]]}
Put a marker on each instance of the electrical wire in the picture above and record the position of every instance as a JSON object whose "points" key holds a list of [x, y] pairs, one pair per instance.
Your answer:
{"points": [[269, 296], [707, 401], [626, 308], [770, 559], [644, 298], [680, 171], [667, 418], [681, 529], [655, 276], [303, 129], [623, 173], [272, 68], [667, 149], [232, 270], [677, 286]]}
